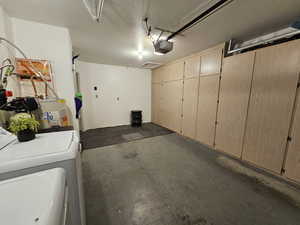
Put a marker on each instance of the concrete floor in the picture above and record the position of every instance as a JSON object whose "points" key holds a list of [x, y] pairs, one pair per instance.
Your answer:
{"points": [[172, 180]]}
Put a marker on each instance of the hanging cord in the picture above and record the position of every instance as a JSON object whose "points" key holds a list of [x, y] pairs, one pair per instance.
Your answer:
{"points": [[38, 73], [35, 89], [9, 70], [9, 66], [98, 10], [6, 60], [33, 85]]}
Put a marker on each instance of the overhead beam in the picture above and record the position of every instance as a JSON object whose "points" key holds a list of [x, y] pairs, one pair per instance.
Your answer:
{"points": [[220, 4]]}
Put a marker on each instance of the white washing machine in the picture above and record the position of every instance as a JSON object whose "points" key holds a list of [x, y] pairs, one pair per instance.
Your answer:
{"points": [[39, 198], [47, 151]]}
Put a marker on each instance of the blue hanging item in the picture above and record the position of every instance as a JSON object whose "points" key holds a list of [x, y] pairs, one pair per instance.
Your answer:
{"points": [[296, 24], [78, 103]]}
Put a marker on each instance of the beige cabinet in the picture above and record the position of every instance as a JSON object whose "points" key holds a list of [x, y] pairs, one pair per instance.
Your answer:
{"points": [[211, 61], [157, 75], [292, 164], [190, 102], [192, 67], [273, 92], [173, 71], [171, 105], [207, 109], [155, 98], [234, 97]]}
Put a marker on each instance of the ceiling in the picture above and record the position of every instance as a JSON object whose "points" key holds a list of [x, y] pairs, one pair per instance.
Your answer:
{"points": [[120, 35]]}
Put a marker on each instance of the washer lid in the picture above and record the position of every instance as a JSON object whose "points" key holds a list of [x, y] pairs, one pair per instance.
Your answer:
{"points": [[45, 148], [6, 138], [35, 199]]}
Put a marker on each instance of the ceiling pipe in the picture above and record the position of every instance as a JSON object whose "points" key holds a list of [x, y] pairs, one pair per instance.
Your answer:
{"points": [[217, 6], [98, 10]]}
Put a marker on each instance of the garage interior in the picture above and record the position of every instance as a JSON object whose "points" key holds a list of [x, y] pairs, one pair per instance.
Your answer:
{"points": [[190, 109]]}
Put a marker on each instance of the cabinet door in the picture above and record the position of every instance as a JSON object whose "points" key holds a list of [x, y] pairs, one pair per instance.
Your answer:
{"points": [[207, 109], [174, 71], [211, 62], [273, 92], [155, 102], [292, 165], [190, 101], [171, 105], [192, 67], [234, 97]]}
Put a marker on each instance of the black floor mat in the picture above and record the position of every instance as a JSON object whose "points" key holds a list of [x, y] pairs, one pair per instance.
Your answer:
{"points": [[100, 137]]}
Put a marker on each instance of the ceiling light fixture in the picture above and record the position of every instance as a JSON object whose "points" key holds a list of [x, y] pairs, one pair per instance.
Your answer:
{"points": [[140, 54], [95, 8]]}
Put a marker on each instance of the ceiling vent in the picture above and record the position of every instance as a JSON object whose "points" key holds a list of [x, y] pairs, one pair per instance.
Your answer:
{"points": [[150, 65]]}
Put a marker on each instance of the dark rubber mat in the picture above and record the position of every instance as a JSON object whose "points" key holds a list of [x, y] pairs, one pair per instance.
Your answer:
{"points": [[100, 137]]}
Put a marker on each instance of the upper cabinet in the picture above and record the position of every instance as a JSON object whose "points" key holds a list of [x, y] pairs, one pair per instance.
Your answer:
{"points": [[211, 61], [157, 75], [192, 67], [173, 71], [206, 63]]}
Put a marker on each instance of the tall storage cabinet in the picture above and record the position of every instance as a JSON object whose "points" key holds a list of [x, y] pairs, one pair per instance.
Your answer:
{"points": [[210, 68], [155, 102], [243, 105], [190, 96], [171, 96], [167, 87], [273, 93], [157, 75], [171, 105], [234, 98], [292, 164], [189, 111], [207, 109]]}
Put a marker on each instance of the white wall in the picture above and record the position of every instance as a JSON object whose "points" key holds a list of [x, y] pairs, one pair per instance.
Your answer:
{"points": [[5, 32], [7, 51], [131, 85], [41, 41]]}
